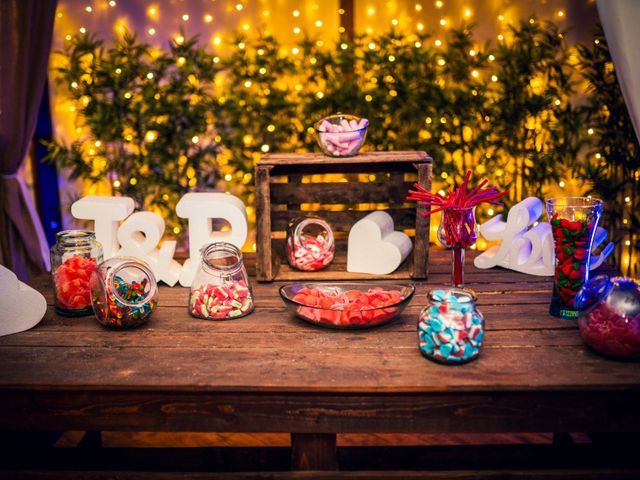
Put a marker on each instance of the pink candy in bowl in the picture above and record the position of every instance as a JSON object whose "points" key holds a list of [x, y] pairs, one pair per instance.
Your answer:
{"points": [[341, 135]]}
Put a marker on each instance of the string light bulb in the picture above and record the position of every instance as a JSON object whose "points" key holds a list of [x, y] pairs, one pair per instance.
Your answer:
{"points": [[208, 18], [295, 13], [185, 17]]}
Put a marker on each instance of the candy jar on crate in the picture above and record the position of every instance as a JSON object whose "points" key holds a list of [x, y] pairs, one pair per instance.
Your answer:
{"points": [[73, 257], [450, 327], [124, 292], [220, 289], [310, 245], [609, 319]]}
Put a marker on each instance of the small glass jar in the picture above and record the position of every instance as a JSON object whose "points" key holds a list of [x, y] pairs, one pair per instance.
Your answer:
{"points": [[124, 292], [220, 289], [310, 245], [609, 319], [450, 327], [74, 256]]}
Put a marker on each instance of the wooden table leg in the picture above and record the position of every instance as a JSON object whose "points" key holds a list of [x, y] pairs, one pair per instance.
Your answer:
{"points": [[313, 451]]}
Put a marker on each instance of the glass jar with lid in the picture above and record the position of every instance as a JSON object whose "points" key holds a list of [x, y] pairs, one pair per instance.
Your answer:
{"points": [[310, 244], [450, 327], [609, 319], [74, 256], [124, 292], [220, 289]]}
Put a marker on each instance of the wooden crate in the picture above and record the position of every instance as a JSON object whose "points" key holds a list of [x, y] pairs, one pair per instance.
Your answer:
{"points": [[284, 192]]}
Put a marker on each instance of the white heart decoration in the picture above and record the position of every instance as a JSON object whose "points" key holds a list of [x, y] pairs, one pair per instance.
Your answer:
{"points": [[374, 247], [21, 307]]}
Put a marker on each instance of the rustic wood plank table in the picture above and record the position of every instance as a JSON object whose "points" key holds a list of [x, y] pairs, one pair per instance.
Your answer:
{"points": [[269, 372]]}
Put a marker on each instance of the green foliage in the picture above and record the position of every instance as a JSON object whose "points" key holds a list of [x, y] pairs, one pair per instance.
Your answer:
{"points": [[507, 111], [612, 163], [139, 112]]}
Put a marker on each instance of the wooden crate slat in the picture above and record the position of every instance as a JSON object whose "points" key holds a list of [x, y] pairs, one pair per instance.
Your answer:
{"points": [[325, 168], [404, 218], [364, 158], [339, 193]]}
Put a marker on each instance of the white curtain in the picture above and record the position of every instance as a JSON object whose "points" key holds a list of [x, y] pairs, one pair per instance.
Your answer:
{"points": [[621, 22]]}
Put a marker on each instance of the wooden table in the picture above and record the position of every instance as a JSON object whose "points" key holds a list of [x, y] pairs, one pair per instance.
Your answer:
{"points": [[270, 372]]}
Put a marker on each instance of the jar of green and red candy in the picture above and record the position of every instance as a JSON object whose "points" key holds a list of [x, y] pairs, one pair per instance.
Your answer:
{"points": [[74, 257], [124, 292], [450, 327], [220, 289]]}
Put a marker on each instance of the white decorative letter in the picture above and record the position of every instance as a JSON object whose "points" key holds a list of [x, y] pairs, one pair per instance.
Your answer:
{"points": [[374, 247], [106, 212], [139, 235], [527, 251], [201, 209]]}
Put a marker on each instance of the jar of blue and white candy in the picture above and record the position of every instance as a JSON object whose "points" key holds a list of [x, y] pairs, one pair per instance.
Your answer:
{"points": [[450, 327]]}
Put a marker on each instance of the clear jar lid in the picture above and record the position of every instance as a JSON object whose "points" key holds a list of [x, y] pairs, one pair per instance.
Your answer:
{"points": [[620, 293]]}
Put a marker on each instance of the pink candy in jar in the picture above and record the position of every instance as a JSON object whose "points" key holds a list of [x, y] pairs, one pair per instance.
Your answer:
{"points": [[341, 135], [310, 245]]}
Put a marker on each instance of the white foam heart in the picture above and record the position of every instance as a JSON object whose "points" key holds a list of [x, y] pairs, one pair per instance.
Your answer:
{"points": [[374, 247], [21, 307]]}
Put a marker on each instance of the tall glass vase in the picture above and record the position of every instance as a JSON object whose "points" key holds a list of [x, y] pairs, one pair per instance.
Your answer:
{"points": [[573, 224], [458, 230]]}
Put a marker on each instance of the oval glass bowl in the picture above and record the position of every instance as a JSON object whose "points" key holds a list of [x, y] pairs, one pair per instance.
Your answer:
{"points": [[346, 318], [344, 143]]}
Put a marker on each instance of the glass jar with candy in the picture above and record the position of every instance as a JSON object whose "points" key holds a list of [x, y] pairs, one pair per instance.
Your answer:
{"points": [[73, 258], [609, 319], [221, 289], [310, 245], [124, 292], [450, 327]]}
